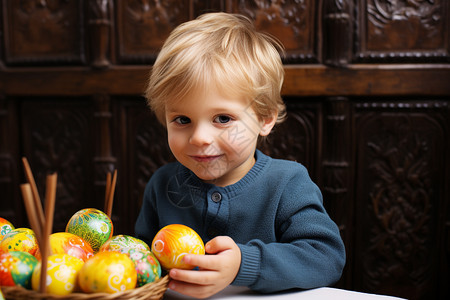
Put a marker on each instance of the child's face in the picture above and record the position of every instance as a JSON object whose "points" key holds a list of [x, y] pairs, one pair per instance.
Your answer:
{"points": [[214, 136]]}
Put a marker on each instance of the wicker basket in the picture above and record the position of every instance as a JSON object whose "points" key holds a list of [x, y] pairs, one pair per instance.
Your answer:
{"points": [[150, 291]]}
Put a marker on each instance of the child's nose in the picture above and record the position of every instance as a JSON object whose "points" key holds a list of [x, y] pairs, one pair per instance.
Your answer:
{"points": [[202, 135]]}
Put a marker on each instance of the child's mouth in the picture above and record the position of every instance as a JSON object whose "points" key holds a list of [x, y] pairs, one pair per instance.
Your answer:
{"points": [[205, 158]]}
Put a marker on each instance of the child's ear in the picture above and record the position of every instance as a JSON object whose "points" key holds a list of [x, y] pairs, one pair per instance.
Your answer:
{"points": [[267, 124]]}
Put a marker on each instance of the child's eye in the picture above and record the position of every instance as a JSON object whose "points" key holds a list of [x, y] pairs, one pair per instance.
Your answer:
{"points": [[182, 120], [222, 119]]}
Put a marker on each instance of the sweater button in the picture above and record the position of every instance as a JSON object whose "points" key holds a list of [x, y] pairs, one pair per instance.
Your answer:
{"points": [[216, 197]]}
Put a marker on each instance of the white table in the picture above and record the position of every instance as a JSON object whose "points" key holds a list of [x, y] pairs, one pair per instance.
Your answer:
{"points": [[242, 293]]}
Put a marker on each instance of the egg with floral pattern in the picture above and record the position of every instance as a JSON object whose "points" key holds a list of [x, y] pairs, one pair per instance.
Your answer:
{"points": [[20, 239], [5, 227], [173, 242], [16, 268], [108, 272], [147, 266], [62, 274], [69, 243], [92, 225]]}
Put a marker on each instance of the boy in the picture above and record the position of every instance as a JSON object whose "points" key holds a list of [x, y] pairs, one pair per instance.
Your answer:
{"points": [[216, 87]]}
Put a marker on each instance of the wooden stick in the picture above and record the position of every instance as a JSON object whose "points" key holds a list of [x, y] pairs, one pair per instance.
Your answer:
{"points": [[31, 211], [50, 195], [107, 190], [110, 201], [34, 190]]}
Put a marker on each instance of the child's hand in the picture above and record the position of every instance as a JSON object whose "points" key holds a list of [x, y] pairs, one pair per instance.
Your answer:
{"points": [[215, 272]]}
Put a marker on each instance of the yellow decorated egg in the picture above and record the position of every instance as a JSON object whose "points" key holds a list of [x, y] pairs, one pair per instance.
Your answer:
{"points": [[69, 243], [20, 239], [16, 268], [62, 272], [173, 242], [147, 266], [92, 225], [5, 227], [122, 243], [108, 272]]}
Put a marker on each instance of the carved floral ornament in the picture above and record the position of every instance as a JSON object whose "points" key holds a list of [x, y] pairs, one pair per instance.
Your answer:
{"points": [[382, 12], [401, 201], [393, 30]]}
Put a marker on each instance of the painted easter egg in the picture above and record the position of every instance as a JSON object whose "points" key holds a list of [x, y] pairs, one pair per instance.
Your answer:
{"points": [[5, 227], [147, 266], [92, 225], [20, 239], [69, 243], [173, 242], [62, 272], [16, 268], [122, 243], [108, 272]]}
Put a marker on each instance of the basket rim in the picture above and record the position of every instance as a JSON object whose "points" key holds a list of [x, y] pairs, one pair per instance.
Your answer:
{"points": [[147, 291]]}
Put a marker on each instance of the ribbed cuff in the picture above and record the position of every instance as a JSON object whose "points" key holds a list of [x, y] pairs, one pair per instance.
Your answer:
{"points": [[249, 270]]}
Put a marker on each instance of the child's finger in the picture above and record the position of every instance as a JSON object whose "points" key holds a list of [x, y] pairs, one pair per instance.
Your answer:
{"points": [[193, 277], [204, 262], [219, 244]]}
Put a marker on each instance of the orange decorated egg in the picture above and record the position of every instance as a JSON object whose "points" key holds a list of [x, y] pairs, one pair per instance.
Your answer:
{"points": [[92, 225], [5, 227], [108, 272], [62, 272], [173, 242], [16, 268], [122, 243], [20, 239], [69, 243]]}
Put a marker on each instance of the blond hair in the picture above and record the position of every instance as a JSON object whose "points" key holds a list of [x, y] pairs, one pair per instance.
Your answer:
{"points": [[224, 50]]}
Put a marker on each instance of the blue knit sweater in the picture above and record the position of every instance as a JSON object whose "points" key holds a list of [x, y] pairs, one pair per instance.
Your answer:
{"points": [[275, 214]]}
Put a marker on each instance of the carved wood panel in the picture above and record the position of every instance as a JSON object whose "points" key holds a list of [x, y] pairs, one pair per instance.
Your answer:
{"points": [[57, 137], [43, 32], [404, 30], [291, 21], [143, 26], [400, 190]]}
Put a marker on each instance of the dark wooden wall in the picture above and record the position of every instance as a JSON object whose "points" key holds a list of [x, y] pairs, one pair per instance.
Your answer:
{"points": [[368, 95]]}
